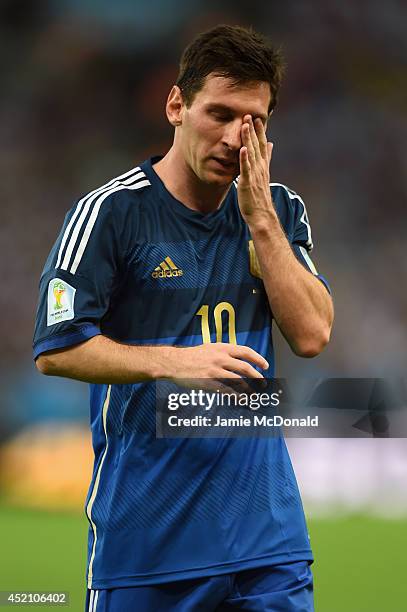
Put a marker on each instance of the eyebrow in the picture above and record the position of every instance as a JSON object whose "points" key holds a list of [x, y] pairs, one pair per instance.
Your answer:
{"points": [[227, 109]]}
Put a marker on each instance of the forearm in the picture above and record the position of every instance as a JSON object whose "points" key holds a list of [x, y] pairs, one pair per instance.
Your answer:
{"points": [[102, 360], [301, 305]]}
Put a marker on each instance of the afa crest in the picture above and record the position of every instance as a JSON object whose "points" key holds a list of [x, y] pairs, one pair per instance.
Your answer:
{"points": [[254, 264]]}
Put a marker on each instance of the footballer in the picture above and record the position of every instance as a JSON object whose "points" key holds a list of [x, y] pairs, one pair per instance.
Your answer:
{"points": [[177, 269]]}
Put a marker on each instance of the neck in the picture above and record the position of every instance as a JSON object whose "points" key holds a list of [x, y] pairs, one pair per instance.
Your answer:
{"points": [[182, 182]]}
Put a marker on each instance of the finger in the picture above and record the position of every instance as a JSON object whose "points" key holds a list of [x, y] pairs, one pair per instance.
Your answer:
{"points": [[237, 383], [231, 381], [244, 163], [247, 141], [245, 352], [270, 146], [262, 138], [254, 139], [225, 383], [243, 368]]}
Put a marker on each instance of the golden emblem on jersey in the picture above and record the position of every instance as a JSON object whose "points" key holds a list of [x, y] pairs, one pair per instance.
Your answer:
{"points": [[166, 269], [254, 264]]}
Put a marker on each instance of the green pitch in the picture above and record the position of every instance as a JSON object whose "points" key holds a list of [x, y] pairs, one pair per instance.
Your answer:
{"points": [[360, 561]]}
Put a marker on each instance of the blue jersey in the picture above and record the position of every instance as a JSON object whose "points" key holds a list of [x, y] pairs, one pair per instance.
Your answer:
{"points": [[135, 264]]}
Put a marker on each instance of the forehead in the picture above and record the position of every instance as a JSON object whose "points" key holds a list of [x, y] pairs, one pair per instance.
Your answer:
{"points": [[252, 97]]}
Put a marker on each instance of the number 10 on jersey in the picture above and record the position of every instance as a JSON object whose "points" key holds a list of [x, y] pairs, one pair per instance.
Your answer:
{"points": [[220, 308]]}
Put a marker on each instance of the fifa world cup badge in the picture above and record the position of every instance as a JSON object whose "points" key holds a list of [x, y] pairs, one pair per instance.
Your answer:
{"points": [[61, 296]]}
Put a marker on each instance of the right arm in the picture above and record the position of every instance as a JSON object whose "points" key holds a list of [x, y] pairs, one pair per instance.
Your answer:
{"points": [[102, 360]]}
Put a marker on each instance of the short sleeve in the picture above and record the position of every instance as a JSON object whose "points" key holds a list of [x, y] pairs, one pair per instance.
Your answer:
{"points": [[79, 276], [302, 242]]}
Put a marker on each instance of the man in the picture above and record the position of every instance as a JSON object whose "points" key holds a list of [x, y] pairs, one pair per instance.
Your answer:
{"points": [[170, 271]]}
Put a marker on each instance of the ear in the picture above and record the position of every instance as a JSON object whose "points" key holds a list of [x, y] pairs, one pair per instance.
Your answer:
{"points": [[175, 106]]}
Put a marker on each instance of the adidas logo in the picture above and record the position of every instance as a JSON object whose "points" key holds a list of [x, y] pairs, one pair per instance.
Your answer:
{"points": [[166, 269]]}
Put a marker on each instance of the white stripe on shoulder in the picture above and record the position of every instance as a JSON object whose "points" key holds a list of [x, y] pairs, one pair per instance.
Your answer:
{"points": [[135, 181], [308, 259], [87, 202], [92, 220], [79, 207], [85, 210], [304, 217]]}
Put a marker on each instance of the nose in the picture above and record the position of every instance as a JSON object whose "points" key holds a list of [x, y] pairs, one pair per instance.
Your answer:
{"points": [[231, 137]]}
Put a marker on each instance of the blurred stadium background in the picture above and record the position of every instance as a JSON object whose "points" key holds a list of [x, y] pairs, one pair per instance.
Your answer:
{"points": [[83, 89]]}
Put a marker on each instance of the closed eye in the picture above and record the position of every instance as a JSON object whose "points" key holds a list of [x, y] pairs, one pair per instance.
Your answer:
{"points": [[221, 117]]}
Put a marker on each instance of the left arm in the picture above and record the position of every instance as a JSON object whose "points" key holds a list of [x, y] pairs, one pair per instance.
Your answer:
{"points": [[301, 305]]}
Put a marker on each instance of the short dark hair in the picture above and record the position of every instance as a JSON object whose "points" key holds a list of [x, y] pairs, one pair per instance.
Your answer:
{"points": [[239, 53]]}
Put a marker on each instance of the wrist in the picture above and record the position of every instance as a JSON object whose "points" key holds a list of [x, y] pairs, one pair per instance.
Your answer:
{"points": [[163, 362], [263, 223]]}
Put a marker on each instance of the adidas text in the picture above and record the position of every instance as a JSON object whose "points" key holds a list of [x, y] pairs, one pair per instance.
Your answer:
{"points": [[166, 273]]}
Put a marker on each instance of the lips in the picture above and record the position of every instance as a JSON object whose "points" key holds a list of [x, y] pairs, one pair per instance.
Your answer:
{"points": [[228, 164]]}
